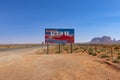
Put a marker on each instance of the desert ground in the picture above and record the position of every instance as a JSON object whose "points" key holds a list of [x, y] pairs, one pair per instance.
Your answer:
{"points": [[35, 64]]}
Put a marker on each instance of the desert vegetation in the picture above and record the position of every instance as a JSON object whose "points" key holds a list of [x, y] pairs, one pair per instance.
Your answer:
{"points": [[108, 52], [15, 46], [93, 61]]}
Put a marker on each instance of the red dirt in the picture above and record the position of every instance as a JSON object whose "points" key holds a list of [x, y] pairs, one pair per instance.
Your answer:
{"points": [[26, 65]]}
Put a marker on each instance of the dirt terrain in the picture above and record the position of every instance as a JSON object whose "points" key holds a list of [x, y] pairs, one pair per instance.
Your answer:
{"points": [[27, 65]]}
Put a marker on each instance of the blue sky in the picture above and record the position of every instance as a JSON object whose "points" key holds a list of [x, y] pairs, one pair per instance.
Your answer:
{"points": [[24, 21]]}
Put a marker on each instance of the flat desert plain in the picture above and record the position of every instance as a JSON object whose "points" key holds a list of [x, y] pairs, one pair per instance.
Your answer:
{"points": [[25, 64]]}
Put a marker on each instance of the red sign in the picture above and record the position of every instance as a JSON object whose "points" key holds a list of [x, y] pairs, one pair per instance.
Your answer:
{"points": [[59, 35]]}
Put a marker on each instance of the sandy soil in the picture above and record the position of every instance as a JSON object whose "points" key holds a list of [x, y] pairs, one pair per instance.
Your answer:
{"points": [[26, 65]]}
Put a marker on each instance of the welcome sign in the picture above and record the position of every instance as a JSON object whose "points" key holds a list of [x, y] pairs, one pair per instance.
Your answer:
{"points": [[59, 35]]}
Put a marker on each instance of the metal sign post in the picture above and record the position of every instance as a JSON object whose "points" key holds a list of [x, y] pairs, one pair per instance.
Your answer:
{"points": [[71, 47], [59, 48], [47, 48]]}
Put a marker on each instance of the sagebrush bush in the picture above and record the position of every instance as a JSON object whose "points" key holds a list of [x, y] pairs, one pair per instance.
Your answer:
{"points": [[66, 49], [116, 61], [91, 52], [104, 56], [118, 57], [75, 49], [118, 53], [116, 48], [98, 51]]}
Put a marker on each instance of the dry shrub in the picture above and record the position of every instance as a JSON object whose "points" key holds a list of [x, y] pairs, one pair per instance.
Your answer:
{"points": [[116, 61], [104, 56]]}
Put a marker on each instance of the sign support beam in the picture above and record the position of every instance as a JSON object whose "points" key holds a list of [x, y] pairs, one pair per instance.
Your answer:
{"points": [[71, 47], [47, 48], [59, 48]]}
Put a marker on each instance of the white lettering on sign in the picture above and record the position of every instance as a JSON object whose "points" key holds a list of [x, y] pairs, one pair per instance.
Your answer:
{"points": [[58, 33]]}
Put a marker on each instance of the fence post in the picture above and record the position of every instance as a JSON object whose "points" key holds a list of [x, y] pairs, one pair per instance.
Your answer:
{"points": [[95, 49], [87, 45], [111, 54]]}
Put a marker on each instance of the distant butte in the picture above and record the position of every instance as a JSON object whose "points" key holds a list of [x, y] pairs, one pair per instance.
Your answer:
{"points": [[104, 40]]}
